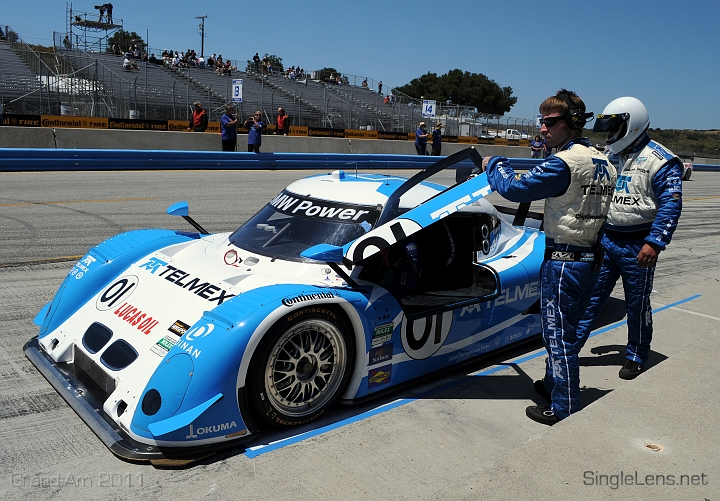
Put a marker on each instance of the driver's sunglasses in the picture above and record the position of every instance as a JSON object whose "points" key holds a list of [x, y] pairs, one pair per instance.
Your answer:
{"points": [[550, 121]]}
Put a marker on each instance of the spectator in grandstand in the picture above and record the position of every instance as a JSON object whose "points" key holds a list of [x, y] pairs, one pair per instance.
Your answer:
{"points": [[256, 62], [365, 84], [126, 63], [437, 139], [421, 138], [228, 129], [211, 61], [153, 59], [282, 123], [254, 125], [116, 50], [392, 99], [380, 87], [199, 120], [109, 8], [67, 43], [386, 100], [200, 62], [264, 63]]}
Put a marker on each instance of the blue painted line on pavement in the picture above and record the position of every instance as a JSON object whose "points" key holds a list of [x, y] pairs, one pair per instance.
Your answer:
{"points": [[253, 452]]}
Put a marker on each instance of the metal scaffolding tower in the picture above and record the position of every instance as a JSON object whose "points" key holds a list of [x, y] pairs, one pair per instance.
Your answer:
{"points": [[85, 33]]}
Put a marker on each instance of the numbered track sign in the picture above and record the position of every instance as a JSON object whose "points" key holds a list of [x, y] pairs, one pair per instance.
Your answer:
{"points": [[428, 109], [237, 90]]}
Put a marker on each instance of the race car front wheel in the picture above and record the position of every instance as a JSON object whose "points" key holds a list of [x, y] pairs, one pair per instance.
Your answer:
{"points": [[301, 367]]}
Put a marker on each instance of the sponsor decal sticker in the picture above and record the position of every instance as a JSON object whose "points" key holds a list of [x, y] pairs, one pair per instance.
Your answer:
{"points": [[289, 301], [382, 334], [135, 317], [163, 346], [199, 287], [507, 295], [289, 203], [82, 267], [207, 430], [380, 376], [179, 327], [381, 354], [199, 331]]}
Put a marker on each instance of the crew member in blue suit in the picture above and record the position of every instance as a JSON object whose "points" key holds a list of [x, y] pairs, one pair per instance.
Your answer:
{"points": [[643, 215], [577, 183], [421, 139]]}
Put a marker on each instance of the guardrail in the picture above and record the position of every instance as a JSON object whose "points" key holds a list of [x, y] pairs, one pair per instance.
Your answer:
{"points": [[47, 159], [50, 159]]}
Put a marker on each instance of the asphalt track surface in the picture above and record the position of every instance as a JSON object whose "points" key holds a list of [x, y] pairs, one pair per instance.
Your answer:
{"points": [[463, 435]]}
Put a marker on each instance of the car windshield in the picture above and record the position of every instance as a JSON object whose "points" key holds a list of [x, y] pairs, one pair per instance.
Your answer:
{"points": [[291, 223]]}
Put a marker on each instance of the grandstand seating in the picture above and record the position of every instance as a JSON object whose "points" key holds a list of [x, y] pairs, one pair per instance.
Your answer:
{"points": [[95, 84], [17, 80]]}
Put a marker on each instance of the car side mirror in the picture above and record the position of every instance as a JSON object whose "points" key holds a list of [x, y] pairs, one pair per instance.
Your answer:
{"points": [[179, 209]]}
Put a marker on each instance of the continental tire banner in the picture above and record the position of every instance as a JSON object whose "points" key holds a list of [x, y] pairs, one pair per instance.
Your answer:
{"points": [[325, 132], [361, 134], [62, 121], [132, 124], [22, 120], [19, 120], [178, 125], [299, 131], [396, 136]]}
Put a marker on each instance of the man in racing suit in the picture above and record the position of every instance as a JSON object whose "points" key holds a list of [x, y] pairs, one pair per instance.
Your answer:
{"points": [[576, 183], [643, 215]]}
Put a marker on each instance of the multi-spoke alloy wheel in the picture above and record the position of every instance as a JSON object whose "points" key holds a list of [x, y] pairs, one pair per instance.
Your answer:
{"points": [[304, 367]]}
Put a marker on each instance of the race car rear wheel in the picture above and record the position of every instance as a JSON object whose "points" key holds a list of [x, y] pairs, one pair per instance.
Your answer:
{"points": [[301, 367]]}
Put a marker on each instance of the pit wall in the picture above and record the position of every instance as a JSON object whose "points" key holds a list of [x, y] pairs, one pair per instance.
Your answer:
{"points": [[45, 137]]}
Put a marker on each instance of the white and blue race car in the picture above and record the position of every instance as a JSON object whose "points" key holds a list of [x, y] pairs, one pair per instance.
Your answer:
{"points": [[172, 344]]}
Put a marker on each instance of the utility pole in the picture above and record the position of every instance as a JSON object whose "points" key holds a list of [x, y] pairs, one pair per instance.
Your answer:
{"points": [[202, 34]]}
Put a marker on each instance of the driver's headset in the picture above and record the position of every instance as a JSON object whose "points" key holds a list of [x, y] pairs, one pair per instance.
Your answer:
{"points": [[575, 118]]}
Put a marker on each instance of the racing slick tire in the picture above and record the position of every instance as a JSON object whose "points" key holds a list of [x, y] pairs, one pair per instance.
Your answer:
{"points": [[301, 367]]}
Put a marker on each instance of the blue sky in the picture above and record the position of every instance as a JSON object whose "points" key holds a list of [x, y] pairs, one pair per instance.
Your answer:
{"points": [[664, 53]]}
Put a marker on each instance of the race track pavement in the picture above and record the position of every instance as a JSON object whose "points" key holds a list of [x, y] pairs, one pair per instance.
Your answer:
{"points": [[463, 435]]}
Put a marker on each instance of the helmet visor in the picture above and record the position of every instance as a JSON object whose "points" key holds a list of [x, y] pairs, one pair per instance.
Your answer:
{"points": [[615, 125]]}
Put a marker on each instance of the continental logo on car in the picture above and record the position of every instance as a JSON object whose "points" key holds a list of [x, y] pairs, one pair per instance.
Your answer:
{"points": [[380, 376], [289, 301]]}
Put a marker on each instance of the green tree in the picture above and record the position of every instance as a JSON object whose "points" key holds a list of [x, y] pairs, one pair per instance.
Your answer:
{"points": [[463, 88], [125, 39]]}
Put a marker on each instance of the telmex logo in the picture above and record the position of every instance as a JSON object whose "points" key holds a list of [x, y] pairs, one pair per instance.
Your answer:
{"points": [[199, 331], [289, 301]]}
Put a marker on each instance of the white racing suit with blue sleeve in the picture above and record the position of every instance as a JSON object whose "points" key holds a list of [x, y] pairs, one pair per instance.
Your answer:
{"points": [[645, 209], [576, 183]]}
